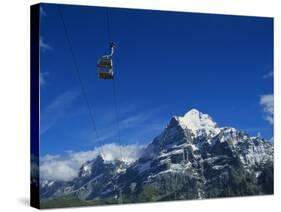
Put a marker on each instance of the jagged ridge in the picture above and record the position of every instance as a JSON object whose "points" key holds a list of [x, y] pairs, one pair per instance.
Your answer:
{"points": [[192, 158]]}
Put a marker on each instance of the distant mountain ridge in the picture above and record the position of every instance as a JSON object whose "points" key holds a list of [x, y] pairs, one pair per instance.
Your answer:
{"points": [[191, 159]]}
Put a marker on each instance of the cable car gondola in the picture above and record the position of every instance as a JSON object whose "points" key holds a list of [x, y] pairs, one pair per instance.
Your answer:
{"points": [[105, 64]]}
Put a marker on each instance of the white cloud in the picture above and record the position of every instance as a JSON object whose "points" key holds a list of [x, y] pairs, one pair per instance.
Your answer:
{"points": [[44, 46], [56, 109], [268, 75], [134, 127], [42, 11], [267, 102], [58, 170], [135, 119], [56, 167], [43, 78], [49, 157]]}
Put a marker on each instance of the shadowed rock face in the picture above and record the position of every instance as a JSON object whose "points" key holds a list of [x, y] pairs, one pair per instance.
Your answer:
{"points": [[192, 158]]}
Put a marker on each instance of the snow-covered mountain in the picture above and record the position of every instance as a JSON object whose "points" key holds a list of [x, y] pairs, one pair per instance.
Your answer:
{"points": [[198, 122], [192, 158]]}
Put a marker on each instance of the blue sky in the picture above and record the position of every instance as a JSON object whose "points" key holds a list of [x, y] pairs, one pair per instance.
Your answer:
{"points": [[166, 63]]}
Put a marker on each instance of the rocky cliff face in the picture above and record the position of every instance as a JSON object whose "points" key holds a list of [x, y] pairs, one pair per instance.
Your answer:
{"points": [[191, 159]]}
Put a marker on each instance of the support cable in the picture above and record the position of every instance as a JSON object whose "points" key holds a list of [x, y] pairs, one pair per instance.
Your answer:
{"points": [[117, 115], [115, 99], [91, 114]]}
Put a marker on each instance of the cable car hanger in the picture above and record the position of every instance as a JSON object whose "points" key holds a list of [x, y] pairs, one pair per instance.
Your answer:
{"points": [[105, 64]]}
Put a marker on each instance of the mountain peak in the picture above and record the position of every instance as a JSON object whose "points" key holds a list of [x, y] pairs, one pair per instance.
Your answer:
{"points": [[193, 111], [198, 121]]}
